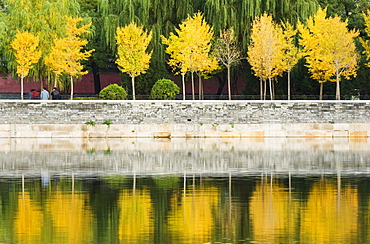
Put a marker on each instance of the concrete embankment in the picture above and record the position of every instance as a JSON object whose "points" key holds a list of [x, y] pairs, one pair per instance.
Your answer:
{"points": [[187, 119]]}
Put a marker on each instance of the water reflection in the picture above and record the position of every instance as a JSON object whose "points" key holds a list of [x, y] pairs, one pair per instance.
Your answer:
{"points": [[208, 156], [270, 191]]}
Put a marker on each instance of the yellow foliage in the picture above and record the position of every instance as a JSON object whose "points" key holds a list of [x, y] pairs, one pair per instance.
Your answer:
{"points": [[189, 50], [25, 47], [330, 216], [71, 217], [132, 43], [193, 218], [66, 53], [291, 53], [28, 222], [329, 48], [273, 213], [265, 49], [135, 221]]}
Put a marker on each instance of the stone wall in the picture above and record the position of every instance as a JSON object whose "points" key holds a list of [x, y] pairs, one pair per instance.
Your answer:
{"points": [[34, 118]]}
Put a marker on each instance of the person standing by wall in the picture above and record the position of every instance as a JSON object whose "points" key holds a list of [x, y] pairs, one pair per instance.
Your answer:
{"points": [[44, 94], [34, 94], [55, 95]]}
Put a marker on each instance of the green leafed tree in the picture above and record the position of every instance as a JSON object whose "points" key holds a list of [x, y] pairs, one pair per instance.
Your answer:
{"points": [[44, 19], [328, 44], [67, 53], [133, 58], [25, 47], [366, 43]]}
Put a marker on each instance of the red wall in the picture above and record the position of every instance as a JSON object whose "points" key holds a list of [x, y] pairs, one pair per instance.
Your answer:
{"points": [[86, 85]]}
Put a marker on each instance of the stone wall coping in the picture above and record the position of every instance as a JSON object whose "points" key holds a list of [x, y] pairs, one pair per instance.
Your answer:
{"points": [[183, 101]]}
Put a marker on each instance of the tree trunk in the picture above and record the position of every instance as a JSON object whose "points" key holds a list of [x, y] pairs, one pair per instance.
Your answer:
{"points": [[264, 89], [22, 87], [220, 78], [133, 87], [200, 87], [183, 87], [337, 96], [96, 75], [271, 94], [55, 81], [261, 88], [71, 87], [321, 89], [192, 86], [337, 93], [228, 82], [288, 84]]}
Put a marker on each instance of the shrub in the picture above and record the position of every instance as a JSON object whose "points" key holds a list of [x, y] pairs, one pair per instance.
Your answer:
{"points": [[164, 89], [113, 92]]}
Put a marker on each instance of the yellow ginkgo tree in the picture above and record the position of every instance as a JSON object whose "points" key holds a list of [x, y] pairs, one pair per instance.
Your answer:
{"points": [[25, 51], [132, 45], [55, 64], [291, 53], [190, 47], [265, 51], [176, 47], [67, 53], [329, 48]]}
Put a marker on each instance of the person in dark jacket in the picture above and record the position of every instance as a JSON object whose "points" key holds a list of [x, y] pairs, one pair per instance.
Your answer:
{"points": [[55, 95]]}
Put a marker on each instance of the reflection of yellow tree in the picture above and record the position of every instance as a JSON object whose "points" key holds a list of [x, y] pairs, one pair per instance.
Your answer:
{"points": [[135, 223], [273, 214], [330, 217], [28, 223], [193, 219], [71, 217]]}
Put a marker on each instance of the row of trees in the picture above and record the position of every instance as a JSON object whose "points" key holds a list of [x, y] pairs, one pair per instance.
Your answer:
{"points": [[327, 45], [191, 48]]}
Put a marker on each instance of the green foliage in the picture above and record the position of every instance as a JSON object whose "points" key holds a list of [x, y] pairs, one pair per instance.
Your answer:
{"points": [[107, 122], [92, 123], [44, 19], [164, 89], [113, 92], [108, 151], [166, 182]]}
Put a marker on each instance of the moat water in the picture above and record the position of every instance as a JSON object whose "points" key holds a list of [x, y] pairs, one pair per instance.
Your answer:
{"points": [[185, 191]]}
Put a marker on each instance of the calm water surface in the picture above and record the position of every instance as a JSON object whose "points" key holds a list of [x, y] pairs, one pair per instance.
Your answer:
{"points": [[185, 191]]}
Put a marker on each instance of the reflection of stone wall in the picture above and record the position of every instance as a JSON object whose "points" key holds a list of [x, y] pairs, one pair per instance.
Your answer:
{"points": [[185, 118], [188, 162], [149, 156]]}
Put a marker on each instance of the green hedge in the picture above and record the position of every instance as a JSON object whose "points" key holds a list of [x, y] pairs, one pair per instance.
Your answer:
{"points": [[164, 89], [113, 92]]}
